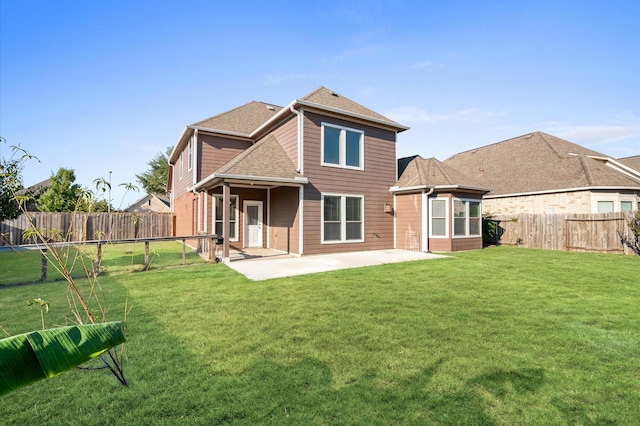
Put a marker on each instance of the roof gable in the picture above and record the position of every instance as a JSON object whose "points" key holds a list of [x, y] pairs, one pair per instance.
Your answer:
{"points": [[328, 98], [537, 162]]}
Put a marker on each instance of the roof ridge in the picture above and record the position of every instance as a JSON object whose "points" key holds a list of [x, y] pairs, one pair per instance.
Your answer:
{"points": [[586, 169], [549, 144], [494, 143], [442, 170], [267, 104]]}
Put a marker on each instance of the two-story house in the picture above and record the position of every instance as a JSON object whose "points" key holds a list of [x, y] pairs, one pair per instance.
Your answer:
{"points": [[311, 177]]}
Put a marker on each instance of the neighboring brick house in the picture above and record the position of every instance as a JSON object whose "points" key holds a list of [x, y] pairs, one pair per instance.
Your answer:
{"points": [[538, 173], [312, 177], [437, 208]]}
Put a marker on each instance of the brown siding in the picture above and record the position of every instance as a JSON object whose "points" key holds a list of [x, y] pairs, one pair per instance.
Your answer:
{"points": [[215, 151], [408, 213], [459, 244], [373, 183], [284, 227], [439, 244], [287, 136], [181, 184]]}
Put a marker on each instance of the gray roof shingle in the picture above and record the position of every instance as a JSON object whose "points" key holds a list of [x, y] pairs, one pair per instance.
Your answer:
{"points": [[537, 162], [433, 173], [326, 97], [243, 119], [264, 159], [633, 162]]}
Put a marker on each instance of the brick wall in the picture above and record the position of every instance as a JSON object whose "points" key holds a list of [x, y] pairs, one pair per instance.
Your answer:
{"points": [[564, 202]]}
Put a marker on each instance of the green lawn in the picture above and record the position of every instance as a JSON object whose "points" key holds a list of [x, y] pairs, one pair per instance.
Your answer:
{"points": [[24, 267], [498, 336]]}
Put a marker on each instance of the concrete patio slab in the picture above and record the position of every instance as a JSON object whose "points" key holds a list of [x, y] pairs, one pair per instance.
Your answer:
{"points": [[264, 268]]}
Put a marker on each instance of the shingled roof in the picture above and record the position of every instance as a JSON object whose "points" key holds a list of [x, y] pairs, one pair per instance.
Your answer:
{"points": [[430, 172], [328, 98], [243, 119], [265, 161], [538, 162], [633, 162]]}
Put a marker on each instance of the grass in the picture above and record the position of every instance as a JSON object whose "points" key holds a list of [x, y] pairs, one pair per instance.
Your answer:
{"points": [[24, 267], [497, 336]]}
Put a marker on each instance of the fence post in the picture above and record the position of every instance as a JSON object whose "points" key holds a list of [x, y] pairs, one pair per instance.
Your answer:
{"points": [[211, 247], [43, 269], [99, 256], [184, 254], [146, 255]]}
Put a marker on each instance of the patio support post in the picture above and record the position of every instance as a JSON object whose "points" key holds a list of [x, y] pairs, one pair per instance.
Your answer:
{"points": [[226, 215]]}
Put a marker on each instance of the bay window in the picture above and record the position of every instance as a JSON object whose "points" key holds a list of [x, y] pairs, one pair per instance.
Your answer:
{"points": [[467, 218], [438, 211]]}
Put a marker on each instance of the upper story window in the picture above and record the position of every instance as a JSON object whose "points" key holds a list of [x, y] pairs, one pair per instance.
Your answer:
{"points": [[467, 218], [190, 155], [342, 147]]}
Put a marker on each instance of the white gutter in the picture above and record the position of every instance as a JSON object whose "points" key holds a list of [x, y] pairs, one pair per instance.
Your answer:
{"points": [[353, 114], [224, 132], [396, 189], [180, 139], [214, 176]]}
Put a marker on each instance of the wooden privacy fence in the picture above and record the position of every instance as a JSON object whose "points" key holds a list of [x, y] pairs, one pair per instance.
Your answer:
{"points": [[578, 232], [79, 227]]}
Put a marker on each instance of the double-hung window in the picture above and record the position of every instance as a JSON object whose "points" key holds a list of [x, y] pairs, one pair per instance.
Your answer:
{"points": [[467, 218], [342, 147], [438, 211], [342, 218], [190, 155], [217, 217]]}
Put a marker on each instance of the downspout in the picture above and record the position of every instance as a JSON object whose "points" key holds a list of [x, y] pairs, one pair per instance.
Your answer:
{"points": [[425, 218], [300, 116], [194, 156], [300, 169]]}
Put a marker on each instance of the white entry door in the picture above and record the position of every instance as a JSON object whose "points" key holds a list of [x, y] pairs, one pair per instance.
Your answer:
{"points": [[253, 223]]}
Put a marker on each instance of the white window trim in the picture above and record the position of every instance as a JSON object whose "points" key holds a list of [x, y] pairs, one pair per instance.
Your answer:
{"points": [[343, 221], [180, 166], [466, 202], [617, 201], [190, 155], [233, 224], [342, 147], [447, 221]]}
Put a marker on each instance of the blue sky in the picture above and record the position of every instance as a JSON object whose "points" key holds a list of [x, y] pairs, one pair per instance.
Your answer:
{"points": [[103, 86]]}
